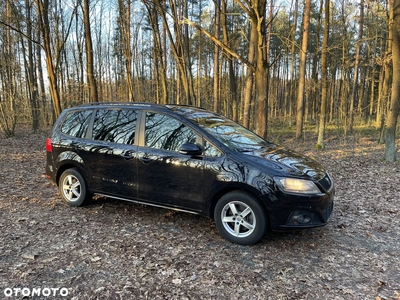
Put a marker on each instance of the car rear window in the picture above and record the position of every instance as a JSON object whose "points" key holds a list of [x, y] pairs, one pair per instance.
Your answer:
{"points": [[76, 123]]}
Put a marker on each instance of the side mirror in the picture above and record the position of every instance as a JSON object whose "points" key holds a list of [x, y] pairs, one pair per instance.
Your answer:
{"points": [[191, 149]]}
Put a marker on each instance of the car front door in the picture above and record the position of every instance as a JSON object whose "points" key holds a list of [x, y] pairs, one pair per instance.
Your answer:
{"points": [[166, 177]]}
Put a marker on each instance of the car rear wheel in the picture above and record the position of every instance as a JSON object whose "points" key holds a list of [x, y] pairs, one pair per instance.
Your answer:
{"points": [[73, 187], [240, 218]]}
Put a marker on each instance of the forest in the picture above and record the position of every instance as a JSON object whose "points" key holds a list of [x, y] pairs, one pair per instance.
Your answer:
{"points": [[269, 65]]}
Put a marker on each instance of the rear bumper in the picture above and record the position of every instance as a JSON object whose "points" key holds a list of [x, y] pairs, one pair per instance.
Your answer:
{"points": [[51, 172]]}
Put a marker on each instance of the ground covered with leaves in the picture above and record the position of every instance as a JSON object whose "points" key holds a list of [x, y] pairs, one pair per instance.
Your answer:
{"points": [[118, 250]]}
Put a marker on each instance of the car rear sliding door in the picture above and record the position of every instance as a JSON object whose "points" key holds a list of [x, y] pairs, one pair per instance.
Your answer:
{"points": [[112, 156]]}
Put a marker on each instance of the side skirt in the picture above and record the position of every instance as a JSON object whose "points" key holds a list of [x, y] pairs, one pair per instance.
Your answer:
{"points": [[147, 203]]}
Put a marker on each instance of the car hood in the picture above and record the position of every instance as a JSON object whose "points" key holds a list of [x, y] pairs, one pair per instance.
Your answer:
{"points": [[286, 161]]}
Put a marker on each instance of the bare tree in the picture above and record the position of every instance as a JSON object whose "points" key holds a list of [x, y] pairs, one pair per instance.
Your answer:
{"points": [[390, 144], [324, 79], [231, 105], [302, 70], [31, 72], [43, 10], [179, 46], [8, 113], [216, 82], [158, 56], [249, 82], [89, 53], [354, 92], [256, 12], [124, 20]]}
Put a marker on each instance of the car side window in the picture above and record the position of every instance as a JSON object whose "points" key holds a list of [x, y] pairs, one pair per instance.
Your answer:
{"points": [[115, 126], [164, 132], [210, 150], [76, 123]]}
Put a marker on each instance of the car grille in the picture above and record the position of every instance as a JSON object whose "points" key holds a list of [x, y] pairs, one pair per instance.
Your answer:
{"points": [[326, 182]]}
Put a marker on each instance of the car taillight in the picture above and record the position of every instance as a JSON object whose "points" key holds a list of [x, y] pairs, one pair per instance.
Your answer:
{"points": [[49, 147]]}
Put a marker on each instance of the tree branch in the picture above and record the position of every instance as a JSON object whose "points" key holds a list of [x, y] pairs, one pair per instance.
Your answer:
{"points": [[219, 44], [21, 33]]}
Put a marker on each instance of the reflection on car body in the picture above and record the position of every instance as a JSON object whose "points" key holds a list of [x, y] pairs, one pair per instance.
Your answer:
{"points": [[188, 159]]}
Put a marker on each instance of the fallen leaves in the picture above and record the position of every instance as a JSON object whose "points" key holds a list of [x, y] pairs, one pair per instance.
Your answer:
{"points": [[118, 250]]}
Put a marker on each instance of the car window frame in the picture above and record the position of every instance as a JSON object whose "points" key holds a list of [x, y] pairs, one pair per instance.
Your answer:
{"points": [[200, 138], [63, 119], [203, 143], [89, 134], [142, 136]]}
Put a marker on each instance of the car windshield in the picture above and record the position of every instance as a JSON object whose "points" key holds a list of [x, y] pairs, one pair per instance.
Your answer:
{"points": [[231, 134]]}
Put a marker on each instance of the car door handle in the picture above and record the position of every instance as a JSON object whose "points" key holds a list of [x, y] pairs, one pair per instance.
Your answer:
{"points": [[145, 159], [127, 156]]}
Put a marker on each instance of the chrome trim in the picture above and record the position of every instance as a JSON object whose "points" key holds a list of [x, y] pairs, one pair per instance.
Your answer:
{"points": [[329, 180], [149, 204]]}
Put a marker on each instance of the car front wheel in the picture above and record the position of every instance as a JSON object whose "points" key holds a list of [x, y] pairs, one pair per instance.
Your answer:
{"points": [[240, 218], [73, 187]]}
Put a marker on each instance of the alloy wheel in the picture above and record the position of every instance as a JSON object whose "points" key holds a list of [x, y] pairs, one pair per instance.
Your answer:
{"points": [[71, 188], [238, 219]]}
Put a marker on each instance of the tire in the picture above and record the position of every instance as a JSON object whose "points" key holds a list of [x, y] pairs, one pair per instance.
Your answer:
{"points": [[240, 218], [72, 187]]}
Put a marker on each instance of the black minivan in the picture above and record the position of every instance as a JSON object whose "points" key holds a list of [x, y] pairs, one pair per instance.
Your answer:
{"points": [[188, 159]]}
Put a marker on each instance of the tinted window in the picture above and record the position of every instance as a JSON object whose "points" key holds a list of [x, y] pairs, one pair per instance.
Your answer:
{"points": [[116, 126], [164, 132], [231, 134], [210, 150], [76, 123]]}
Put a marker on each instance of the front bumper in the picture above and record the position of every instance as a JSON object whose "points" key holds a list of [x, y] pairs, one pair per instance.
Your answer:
{"points": [[297, 212]]}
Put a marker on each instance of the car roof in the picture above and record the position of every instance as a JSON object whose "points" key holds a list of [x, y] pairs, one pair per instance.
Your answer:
{"points": [[180, 109]]}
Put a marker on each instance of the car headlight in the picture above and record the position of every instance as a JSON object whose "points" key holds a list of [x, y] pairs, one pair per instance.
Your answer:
{"points": [[299, 186]]}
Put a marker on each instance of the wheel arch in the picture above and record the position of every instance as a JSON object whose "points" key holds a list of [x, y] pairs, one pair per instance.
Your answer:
{"points": [[69, 165], [243, 188]]}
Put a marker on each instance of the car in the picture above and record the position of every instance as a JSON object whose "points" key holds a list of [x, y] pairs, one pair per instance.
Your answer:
{"points": [[188, 159]]}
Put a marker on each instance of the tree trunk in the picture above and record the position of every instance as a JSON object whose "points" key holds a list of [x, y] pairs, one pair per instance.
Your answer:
{"points": [[42, 89], [256, 14], [302, 71], [231, 100], [8, 113], [384, 84], [324, 79], [292, 61], [178, 50], [89, 53], [216, 83], [125, 28], [249, 80], [261, 71], [354, 92], [43, 9], [390, 143], [314, 97], [32, 79]]}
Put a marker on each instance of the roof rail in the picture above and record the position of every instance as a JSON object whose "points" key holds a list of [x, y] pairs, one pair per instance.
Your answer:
{"points": [[184, 105], [145, 104]]}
